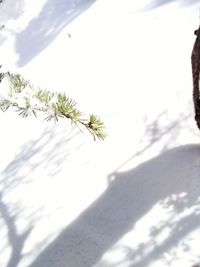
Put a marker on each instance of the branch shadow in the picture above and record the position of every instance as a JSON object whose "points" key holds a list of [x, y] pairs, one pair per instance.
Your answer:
{"points": [[129, 197], [43, 29], [17, 240], [48, 151], [163, 131]]}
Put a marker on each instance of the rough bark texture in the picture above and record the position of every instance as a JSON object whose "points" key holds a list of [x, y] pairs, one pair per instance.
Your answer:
{"points": [[195, 74]]}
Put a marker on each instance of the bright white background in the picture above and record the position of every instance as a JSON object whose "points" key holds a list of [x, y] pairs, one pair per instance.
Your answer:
{"points": [[134, 199]]}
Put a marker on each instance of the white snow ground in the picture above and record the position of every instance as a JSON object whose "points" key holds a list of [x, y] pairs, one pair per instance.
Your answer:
{"points": [[134, 199]]}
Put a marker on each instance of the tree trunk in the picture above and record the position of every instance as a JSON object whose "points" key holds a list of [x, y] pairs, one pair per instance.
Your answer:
{"points": [[195, 74]]}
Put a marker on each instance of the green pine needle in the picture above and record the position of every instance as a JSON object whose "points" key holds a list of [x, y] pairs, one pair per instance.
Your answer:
{"points": [[27, 101]]}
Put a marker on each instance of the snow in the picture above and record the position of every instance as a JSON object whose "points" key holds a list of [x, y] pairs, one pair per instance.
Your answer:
{"points": [[134, 199], [4, 88]]}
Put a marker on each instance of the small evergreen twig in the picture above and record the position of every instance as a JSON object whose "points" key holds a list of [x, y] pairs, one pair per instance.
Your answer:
{"points": [[16, 92]]}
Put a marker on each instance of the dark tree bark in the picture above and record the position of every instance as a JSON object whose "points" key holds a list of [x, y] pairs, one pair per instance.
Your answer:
{"points": [[195, 58]]}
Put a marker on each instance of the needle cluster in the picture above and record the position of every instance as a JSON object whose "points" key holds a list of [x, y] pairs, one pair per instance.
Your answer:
{"points": [[19, 94]]}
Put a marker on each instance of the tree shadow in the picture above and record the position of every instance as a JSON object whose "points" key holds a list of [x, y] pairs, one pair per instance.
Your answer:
{"points": [[129, 197], [48, 151], [159, 3], [43, 29], [14, 238]]}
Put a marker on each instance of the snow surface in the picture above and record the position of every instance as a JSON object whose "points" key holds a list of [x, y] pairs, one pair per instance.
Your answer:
{"points": [[134, 199]]}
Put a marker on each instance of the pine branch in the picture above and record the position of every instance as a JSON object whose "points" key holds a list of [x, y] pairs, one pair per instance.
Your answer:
{"points": [[19, 94]]}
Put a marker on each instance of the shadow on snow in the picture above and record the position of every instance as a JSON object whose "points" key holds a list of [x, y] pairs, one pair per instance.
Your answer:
{"points": [[159, 3], [130, 196], [49, 151], [43, 29]]}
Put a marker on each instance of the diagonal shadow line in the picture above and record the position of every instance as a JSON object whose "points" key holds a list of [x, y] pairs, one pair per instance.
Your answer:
{"points": [[42, 30], [128, 198]]}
